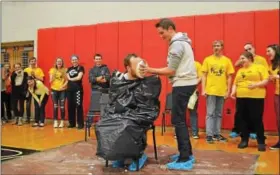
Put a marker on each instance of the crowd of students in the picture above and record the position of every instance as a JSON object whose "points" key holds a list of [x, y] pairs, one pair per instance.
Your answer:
{"points": [[215, 75]]}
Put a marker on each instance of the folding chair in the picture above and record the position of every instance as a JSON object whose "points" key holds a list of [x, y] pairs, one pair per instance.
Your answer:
{"points": [[167, 110]]}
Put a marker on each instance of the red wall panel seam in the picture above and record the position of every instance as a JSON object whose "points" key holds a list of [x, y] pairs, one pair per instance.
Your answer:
{"points": [[118, 46]]}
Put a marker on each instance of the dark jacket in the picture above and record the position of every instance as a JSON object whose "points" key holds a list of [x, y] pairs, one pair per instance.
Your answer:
{"points": [[19, 91], [96, 72]]}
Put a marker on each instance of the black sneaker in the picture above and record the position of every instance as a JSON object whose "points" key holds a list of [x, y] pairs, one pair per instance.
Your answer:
{"points": [[219, 138], [261, 147], [71, 126], [275, 147], [209, 139]]}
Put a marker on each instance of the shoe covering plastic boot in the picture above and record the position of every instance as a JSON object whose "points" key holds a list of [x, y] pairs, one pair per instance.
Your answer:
{"points": [[142, 160], [176, 156]]}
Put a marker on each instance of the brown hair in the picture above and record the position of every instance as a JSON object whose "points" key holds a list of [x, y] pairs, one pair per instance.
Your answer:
{"points": [[32, 58], [126, 60], [17, 64], [165, 23], [248, 55]]}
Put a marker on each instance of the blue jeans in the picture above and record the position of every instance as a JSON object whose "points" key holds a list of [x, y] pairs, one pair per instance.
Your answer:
{"points": [[58, 98], [194, 118], [215, 106]]}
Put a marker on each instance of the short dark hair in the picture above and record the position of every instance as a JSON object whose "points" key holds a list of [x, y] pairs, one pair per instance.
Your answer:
{"points": [[249, 43], [126, 60], [248, 55], [165, 23], [17, 64], [97, 55], [32, 58]]}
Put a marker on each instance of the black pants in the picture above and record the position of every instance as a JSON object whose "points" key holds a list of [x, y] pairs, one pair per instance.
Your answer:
{"points": [[6, 105], [75, 104], [58, 98], [40, 113], [237, 124], [18, 112], [250, 111], [180, 99], [28, 106]]}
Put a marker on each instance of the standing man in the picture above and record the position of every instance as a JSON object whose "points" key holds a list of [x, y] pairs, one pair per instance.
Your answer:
{"points": [[182, 74], [75, 93], [99, 78], [216, 84], [249, 47], [38, 74]]}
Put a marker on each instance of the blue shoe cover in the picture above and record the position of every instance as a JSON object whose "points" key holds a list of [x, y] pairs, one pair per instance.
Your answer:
{"points": [[142, 160], [176, 156], [233, 134], [253, 136], [118, 164], [188, 165]]}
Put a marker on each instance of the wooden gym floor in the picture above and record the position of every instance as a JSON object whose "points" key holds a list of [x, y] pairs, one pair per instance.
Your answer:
{"points": [[26, 137]]}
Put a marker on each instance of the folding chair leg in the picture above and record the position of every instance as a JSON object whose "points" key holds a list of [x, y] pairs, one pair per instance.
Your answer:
{"points": [[89, 131], [106, 163], [86, 132], [155, 144], [162, 123]]}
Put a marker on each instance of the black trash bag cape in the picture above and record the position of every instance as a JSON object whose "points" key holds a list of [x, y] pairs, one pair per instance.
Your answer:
{"points": [[134, 105]]}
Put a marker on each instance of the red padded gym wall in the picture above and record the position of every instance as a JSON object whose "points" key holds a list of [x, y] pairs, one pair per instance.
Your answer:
{"points": [[46, 55], [130, 40], [85, 49], [107, 43], [207, 29], [266, 33], [238, 30], [155, 52]]}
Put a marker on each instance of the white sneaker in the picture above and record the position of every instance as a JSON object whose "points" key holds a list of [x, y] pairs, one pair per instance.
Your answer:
{"points": [[61, 125], [55, 124], [19, 121]]}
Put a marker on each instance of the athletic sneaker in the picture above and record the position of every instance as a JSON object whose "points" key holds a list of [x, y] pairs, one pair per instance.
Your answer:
{"points": [[209, 139], [275, 147], [176, 157], [188, 165], [195, 136], [142, 160], [220, 138], [233, 134]]}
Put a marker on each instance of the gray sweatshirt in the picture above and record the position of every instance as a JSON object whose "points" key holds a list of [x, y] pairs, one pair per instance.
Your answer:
{"points": [[181, 59]]}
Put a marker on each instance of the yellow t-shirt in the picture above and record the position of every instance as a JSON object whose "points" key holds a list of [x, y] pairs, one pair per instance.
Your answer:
{"points": [[198, 69], [59, 78], [36, 71], [41, 90], [217, 70], [276, 82], [261, 60], [245, 76]]}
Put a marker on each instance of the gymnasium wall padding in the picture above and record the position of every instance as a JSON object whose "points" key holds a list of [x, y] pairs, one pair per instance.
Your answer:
{"points": [[46, 57], [115, 40], [129, 42], [85, 38]]}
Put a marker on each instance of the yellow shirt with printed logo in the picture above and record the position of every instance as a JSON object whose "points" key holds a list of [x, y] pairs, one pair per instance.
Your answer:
{"points": [[58, 78], [198, 69], [36, 71], [217, 69], [41, 90], [276, 82], [246, 76]]}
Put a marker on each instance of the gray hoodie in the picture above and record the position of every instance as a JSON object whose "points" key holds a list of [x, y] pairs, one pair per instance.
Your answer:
{"points": [[181, 59]]}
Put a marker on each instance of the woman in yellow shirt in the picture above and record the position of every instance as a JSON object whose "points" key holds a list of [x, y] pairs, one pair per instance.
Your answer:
{"points": [[249, 88], [40, 93], [273, 52], [58, 81]]}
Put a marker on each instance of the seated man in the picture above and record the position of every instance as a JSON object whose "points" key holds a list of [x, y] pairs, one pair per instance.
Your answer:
{"points": [[133, 107]]}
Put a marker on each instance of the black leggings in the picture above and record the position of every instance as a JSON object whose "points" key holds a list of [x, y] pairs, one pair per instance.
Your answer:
{"points": [[250, 111], [18, 112], [40, 110], [58, 98]]}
